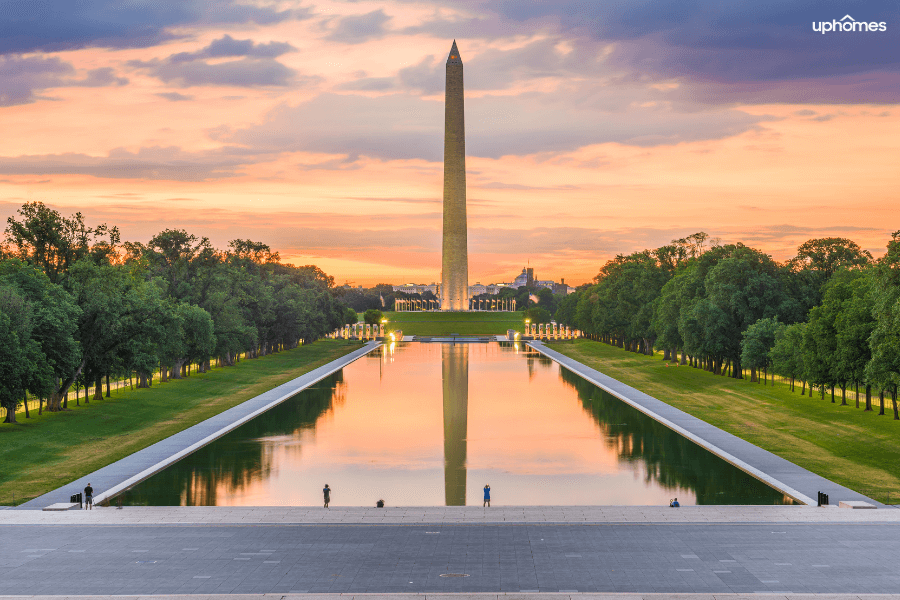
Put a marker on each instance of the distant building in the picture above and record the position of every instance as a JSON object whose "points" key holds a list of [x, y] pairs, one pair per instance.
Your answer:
{"points": [[417, 288], [480, 288], [526, 278]]}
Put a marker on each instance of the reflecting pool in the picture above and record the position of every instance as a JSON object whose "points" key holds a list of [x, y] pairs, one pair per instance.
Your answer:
{"points": [[424, 424]]}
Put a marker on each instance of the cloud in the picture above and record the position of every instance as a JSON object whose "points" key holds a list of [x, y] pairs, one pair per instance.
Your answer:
{"points": [[174, 96], [401, 126], [102, 77], [56, 25], [368, 84], [710, 42], [21, 78], [227, 46], [360, 28], [245, 72], [167, 163], [255, 65]]}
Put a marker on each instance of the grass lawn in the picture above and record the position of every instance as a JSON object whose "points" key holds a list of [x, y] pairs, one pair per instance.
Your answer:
{"points": [[857, 449], [44, 452], [445, 323]]}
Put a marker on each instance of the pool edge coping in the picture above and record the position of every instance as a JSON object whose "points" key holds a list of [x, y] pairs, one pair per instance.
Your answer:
{"points": [[328, 369], [700, 441], [309, 379]]}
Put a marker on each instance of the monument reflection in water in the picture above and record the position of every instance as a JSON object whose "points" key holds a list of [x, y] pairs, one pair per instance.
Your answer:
{"points": [[455, 380], [430, 424]]}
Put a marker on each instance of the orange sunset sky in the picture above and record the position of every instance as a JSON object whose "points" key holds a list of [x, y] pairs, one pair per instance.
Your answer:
{"points": [[592, 130]]}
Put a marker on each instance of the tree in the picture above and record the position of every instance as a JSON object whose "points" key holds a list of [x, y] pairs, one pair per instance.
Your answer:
{"points": [[787, 353], [53, 243], [373, 316], [827, 255], [537, 315], [757, 343], [17, 349], [52, 324], [884, 367]]}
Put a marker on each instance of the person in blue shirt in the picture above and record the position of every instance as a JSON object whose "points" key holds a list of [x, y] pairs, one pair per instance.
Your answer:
{"points": [[327, 493], [674, 503], [487, 496]]}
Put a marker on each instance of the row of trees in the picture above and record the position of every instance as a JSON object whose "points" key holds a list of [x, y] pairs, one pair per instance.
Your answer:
{"points": [[828, 317], [77, 305]]}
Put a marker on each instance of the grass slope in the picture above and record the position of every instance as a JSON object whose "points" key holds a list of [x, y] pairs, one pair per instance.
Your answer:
{"points": [[44, 452], [464, 323], [857, 449]]}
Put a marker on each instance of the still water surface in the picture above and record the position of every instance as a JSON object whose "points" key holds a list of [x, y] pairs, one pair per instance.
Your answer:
{"points": [[430, 424]]}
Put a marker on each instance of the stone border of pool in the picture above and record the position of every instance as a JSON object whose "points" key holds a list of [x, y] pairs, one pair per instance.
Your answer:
{"points": [[781, 474], [134, 468]]}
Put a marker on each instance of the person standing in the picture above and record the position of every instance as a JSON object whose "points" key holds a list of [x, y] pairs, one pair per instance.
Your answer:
{"points": [[89, 497], [487, 496], [327, 493]]}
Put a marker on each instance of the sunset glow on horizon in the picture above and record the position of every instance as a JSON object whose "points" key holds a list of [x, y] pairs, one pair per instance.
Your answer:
{"points": [[591, 130]]}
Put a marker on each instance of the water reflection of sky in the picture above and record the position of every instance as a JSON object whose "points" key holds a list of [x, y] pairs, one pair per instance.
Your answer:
{"points": [[431, 424]]}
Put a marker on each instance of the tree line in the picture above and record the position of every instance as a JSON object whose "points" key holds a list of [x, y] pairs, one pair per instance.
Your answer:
{"points": [[77, 306], [828, 318]]}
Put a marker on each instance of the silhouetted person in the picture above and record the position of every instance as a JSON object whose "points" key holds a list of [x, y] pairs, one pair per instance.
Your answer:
{"points": [[327, 493], [487, 496], [89, 497], [379, 504]]}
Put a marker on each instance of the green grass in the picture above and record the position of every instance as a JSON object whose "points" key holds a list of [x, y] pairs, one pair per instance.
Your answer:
{"points": [[464, 323], [857, 449], [44, 452]]}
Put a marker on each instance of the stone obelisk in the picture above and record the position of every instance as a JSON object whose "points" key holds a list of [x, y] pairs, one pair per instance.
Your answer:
{"points": [[455, 262]]}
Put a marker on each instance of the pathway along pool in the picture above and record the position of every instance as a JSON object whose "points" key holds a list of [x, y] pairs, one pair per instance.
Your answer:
{"points": [[431, 424]]}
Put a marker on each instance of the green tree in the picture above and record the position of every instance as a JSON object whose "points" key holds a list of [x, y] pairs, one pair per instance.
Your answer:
{"points": [[883, 368], [53, 243], [373, 316], [537, 315], [787, 353], [757, 344]]}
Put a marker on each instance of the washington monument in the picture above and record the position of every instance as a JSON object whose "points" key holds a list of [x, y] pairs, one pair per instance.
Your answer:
{"points": [[455, 253]]}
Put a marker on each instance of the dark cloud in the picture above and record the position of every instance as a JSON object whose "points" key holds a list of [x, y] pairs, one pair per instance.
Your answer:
{"points": [[169, 163], [244, 72], [174, 96], [55, 25], [718, 43], [23, 78], [227, 46], [102, 77], [255, 65], [360, 28]]}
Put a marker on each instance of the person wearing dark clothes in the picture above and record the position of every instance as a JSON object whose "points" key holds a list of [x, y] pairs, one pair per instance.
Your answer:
{"points": [[327, 493], [89, 497], [487, 496], [379, 504]]}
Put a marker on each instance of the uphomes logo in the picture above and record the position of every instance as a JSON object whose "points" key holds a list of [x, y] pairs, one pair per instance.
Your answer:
{"points": [[848, 23]]}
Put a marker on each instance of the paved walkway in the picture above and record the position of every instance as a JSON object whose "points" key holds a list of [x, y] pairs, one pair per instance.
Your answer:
{"points": [[793, 480], [132, 469], [696, 558]]}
